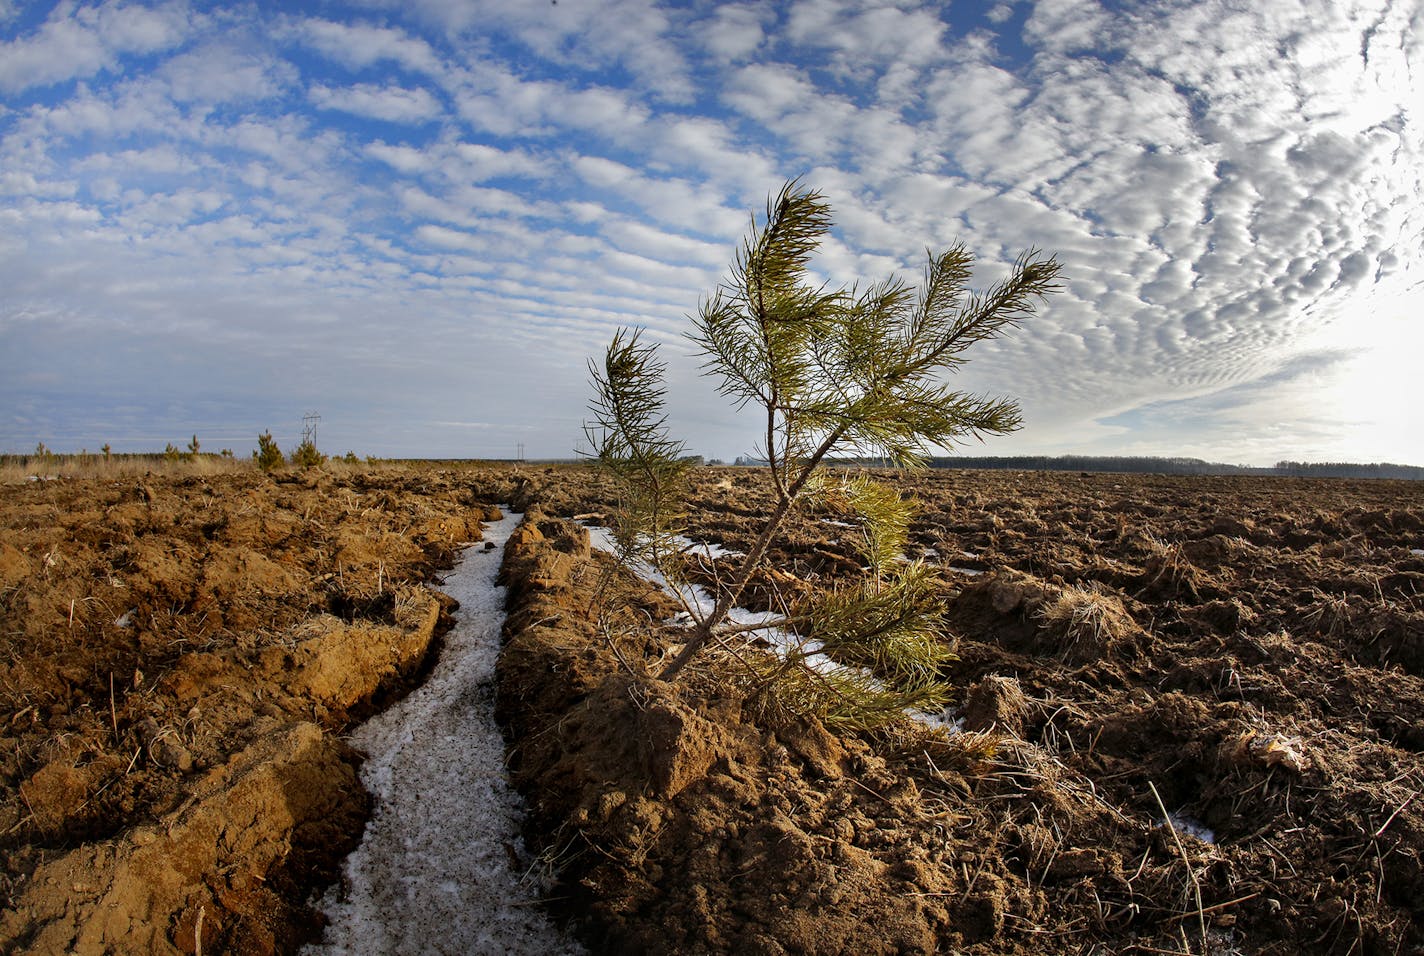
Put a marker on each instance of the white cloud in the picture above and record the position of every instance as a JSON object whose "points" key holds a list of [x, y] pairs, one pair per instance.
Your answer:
{"points": [[651, 242], [671, 201], [865, 37], [222, 74], [123, 110], [27, 184], [81, 42], [590, 36], [405, 159], [394, 104], [1071, 26], [472, 205], [478, 162], [734, 31], [360, 45]]}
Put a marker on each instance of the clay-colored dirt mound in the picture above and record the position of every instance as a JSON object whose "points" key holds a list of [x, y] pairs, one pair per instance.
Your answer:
{"points": [[687, 827], [208, 875], [181, 656]]}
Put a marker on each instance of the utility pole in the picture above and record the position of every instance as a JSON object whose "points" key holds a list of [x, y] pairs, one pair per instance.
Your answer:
{"points": [[519, 457], [309, 421]]}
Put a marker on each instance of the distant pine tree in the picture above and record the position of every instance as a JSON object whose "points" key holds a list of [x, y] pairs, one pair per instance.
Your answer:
{"points": [[267, 456], [305, 455]]}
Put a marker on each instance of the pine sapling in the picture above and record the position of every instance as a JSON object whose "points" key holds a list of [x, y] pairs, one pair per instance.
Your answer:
{"points": [[832, 372]]}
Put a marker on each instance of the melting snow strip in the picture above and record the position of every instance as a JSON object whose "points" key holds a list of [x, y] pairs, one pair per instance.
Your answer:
{"points": [[782, 641], [692, 595], [435, 870]]}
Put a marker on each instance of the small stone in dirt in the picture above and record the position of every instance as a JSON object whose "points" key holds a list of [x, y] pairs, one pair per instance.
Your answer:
{"points": [[170, 753]]}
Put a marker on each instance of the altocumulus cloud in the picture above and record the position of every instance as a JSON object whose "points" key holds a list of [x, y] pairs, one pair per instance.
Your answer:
{"points": [[422, 218]]}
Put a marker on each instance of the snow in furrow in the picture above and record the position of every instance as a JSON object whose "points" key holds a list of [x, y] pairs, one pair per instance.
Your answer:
{"points": [[437, 870], [782, 641]]}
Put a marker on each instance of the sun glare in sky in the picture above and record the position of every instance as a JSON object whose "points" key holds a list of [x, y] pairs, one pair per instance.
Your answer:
{"points": [[1377, 386]]}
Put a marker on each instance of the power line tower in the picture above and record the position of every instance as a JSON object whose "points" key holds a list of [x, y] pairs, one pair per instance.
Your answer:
{"points": [[309, 421], [520, 456]]}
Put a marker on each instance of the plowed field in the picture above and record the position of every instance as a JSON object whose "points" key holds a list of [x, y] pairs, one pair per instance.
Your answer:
{"points": [[1189, 710]]}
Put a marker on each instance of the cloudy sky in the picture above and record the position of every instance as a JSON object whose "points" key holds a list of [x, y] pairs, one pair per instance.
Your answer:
{"points": [[420, 218]]}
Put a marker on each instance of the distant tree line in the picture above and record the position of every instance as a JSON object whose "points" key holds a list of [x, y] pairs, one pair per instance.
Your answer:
{"points": [[1182, 466], [1151, 466], [1339, 469]]}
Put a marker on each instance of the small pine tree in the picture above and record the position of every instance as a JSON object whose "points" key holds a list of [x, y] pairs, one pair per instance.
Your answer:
{"points": [[267, 456], [305, 455], [171, 452], [834, 372], [193, 447], [108, 452]]}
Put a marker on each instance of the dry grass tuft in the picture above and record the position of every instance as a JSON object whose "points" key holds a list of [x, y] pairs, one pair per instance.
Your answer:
{"points": [[1169, 571], [1087, 620]]}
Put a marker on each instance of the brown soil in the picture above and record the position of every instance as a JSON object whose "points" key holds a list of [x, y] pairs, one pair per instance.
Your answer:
{"points": [[1244, 654], [182, 656]]}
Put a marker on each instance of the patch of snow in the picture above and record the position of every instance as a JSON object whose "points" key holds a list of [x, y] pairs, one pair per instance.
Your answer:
{"points": [[435, 871], [969, 571], [1195, 828], [838, 524], [696, 599], [1416, 550], [782, 641], [707, 549], [126, 619], [944, 720]]}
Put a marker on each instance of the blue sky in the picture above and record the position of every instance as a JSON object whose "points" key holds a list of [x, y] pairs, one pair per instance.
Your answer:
{"points": [[421, 218]]}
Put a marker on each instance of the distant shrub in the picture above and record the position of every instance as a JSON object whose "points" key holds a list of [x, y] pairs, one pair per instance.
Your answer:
{"points": [[268, 456], [305, 455], [351, 458], [171, 452], [193, 447]]}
